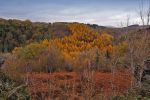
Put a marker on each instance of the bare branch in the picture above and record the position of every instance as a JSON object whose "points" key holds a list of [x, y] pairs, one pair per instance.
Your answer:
{"points": [[128, 20], [148, 12], [141, 11]]}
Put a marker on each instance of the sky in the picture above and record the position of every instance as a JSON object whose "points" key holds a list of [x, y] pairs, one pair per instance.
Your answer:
{"points": [[101, 12]]}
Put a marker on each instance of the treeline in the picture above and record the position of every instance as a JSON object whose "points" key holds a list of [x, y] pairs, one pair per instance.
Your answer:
{"points": [[16, 33]]}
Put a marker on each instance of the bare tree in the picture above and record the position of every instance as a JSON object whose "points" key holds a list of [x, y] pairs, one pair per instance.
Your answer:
{"points": [[148, 13], [144, 12], [141, 12], [128, 20], [138, 44]]}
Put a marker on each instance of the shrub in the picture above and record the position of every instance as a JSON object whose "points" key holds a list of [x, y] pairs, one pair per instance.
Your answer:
{"points": [[53, 60], [34, 57], [92, 59], [32, 50]]}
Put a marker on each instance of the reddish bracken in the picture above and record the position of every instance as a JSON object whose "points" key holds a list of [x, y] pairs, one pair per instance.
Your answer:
{"points": [[78, 85]]}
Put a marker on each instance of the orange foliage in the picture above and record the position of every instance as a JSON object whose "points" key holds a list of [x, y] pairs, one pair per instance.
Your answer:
{"points": [[83, 38], [45, 42]]}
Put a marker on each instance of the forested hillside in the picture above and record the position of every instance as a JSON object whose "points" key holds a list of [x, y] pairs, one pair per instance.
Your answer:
{"points": [[16, 33]]}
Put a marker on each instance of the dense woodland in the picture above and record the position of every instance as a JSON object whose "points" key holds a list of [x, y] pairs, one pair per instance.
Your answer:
{"points": [[16, 33], [90, 61]]}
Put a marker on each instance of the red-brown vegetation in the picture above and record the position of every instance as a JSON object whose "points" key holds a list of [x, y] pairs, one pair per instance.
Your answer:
{"points": [[78, 85]]}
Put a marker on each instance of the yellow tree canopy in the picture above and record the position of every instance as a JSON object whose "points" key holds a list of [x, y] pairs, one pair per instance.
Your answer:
{"points": [[83, 38]]}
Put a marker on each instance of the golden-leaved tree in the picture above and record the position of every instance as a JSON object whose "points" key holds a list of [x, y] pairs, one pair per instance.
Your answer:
{"points": [[83, 38], [86, 41]]}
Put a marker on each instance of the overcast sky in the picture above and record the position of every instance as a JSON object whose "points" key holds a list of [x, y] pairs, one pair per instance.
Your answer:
{"points": [[102, 12]]}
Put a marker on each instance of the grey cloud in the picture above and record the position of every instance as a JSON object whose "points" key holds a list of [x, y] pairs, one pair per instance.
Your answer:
{"points": [[72, 14]]}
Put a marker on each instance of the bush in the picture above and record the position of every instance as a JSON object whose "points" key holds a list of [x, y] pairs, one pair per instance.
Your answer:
{"points": [[32, 50], [34, 57], [23, 60], [54, 60], [92, 59]]}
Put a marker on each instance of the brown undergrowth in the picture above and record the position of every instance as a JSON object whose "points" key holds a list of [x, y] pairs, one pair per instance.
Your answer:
{"points": [[85, 85]]}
